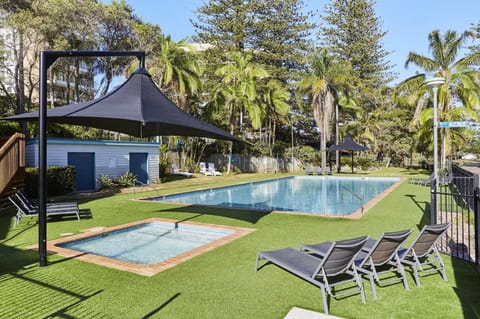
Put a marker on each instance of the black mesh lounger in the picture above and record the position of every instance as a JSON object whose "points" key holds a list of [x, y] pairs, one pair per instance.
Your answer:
{"points": [[334, 268], [379, 257], [26, 210], [422, 255]]}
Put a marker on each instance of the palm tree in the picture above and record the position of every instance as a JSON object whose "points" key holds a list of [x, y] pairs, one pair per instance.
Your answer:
{"points": [[237, 92], [178, 70], [457, 98], [324, 85], [275, 99]]}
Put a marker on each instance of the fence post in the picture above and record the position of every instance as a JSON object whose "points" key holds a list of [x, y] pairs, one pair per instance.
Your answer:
{"points": [[476, 213], [433, 203]]}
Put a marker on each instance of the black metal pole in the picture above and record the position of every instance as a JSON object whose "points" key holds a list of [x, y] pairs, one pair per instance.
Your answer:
{"points": [[42, 163], [433, 202], [476, 198], [47, 58]]}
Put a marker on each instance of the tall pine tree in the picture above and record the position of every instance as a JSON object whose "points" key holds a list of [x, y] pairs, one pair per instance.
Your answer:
{"points": [[353, 32], [276, 31]]}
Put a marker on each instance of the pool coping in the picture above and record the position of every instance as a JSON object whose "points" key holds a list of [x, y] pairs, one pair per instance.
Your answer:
{"points": [[357, 214], [140, 269]]}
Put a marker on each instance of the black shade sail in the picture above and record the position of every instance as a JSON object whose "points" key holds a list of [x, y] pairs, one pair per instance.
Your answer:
{"points": [[348, 145], [136, 108]]}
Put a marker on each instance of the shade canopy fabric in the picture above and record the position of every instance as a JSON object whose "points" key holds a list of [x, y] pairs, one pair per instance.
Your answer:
{"points": [[136, 108], [348, 145]]}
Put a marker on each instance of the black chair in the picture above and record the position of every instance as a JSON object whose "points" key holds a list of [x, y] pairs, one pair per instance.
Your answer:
{"points": [[328, 270]]}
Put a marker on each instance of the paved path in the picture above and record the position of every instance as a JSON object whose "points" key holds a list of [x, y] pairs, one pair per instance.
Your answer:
{"points": [[299, 313]]}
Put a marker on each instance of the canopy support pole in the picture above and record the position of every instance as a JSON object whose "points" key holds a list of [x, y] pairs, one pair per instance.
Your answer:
{"points": [[47, 58]]}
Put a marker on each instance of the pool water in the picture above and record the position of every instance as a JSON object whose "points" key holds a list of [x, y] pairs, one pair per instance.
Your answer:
{"points": [[322, 195], [148, 243]]}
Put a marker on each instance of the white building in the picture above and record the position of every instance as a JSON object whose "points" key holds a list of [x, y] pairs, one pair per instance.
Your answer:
{"points": [[92, 159]]}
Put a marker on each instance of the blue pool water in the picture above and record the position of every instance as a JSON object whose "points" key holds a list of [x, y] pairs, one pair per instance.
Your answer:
{"points": [[323, 195], [148, 243]]}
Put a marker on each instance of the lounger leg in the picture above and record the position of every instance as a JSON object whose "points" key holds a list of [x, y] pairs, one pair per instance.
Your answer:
{"points": [[404, 277], [442, 265], [358, 279], [372, 284], [256, 262], [325, 300], [415, 275]]}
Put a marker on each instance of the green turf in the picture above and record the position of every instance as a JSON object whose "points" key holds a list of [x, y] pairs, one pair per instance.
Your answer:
{"points": [[221, 283]]}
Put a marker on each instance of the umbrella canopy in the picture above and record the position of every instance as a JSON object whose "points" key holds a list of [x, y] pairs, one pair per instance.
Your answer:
{"points": [[136, 108], [348, 145]]}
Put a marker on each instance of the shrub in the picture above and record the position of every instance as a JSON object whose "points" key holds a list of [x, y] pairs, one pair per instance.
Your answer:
{"points": [[60, 180], [126, 180], [107, 183], [366, 162]]}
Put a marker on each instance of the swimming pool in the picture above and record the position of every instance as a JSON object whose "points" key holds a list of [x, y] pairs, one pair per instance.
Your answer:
{"points": [[148, 243], [145, 247], [319, 195]]}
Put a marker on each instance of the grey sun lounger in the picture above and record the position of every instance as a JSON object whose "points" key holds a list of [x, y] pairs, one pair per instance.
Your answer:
{"points": [[379, 257], [333, 268], [26, 209], [422, 181], [422, 255]]}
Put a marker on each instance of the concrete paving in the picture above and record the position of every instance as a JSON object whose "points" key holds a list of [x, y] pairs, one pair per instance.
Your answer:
{"points": [[299, 313]]}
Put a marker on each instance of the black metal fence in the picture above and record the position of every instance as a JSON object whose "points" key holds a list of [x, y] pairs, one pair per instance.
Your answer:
{"points": [[456, 200]]}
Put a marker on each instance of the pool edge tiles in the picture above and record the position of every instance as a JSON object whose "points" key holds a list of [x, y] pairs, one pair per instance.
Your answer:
{"points": [[143, 269]]}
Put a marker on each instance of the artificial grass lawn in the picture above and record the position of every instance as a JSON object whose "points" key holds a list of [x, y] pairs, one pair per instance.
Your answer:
{"points": [[221, 283]]}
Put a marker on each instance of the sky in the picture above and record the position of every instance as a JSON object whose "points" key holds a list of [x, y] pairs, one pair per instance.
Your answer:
{"points": [[407, 22]]}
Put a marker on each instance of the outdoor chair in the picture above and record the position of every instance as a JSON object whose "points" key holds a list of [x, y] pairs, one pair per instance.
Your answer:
{"points": [[31, 205], [25, 209], [203, 169], [328, 270], [176, 171], [422, 255], [212, 170], [422, 181], [379, 257]]}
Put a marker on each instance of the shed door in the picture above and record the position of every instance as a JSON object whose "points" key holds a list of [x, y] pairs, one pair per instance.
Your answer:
{"points": [[139, 167], [84, 163]]}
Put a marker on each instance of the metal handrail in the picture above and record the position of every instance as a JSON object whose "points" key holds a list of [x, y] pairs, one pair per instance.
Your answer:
{"points": [[136, 181], [358, 196]]}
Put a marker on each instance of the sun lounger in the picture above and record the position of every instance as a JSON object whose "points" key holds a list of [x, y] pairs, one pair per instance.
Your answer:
{"points": [[204, 170], [422, 255], [176, 171], [212, 170], [379, 257], [422, 181], [332, 268], [28, 209]]}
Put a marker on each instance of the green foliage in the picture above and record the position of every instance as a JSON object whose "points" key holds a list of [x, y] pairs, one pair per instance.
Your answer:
{"points": [[366, 162], [353, 32], [307, 154], [107, 183], [277, 30], [61, 180], [127, 179], [458, 98]]}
